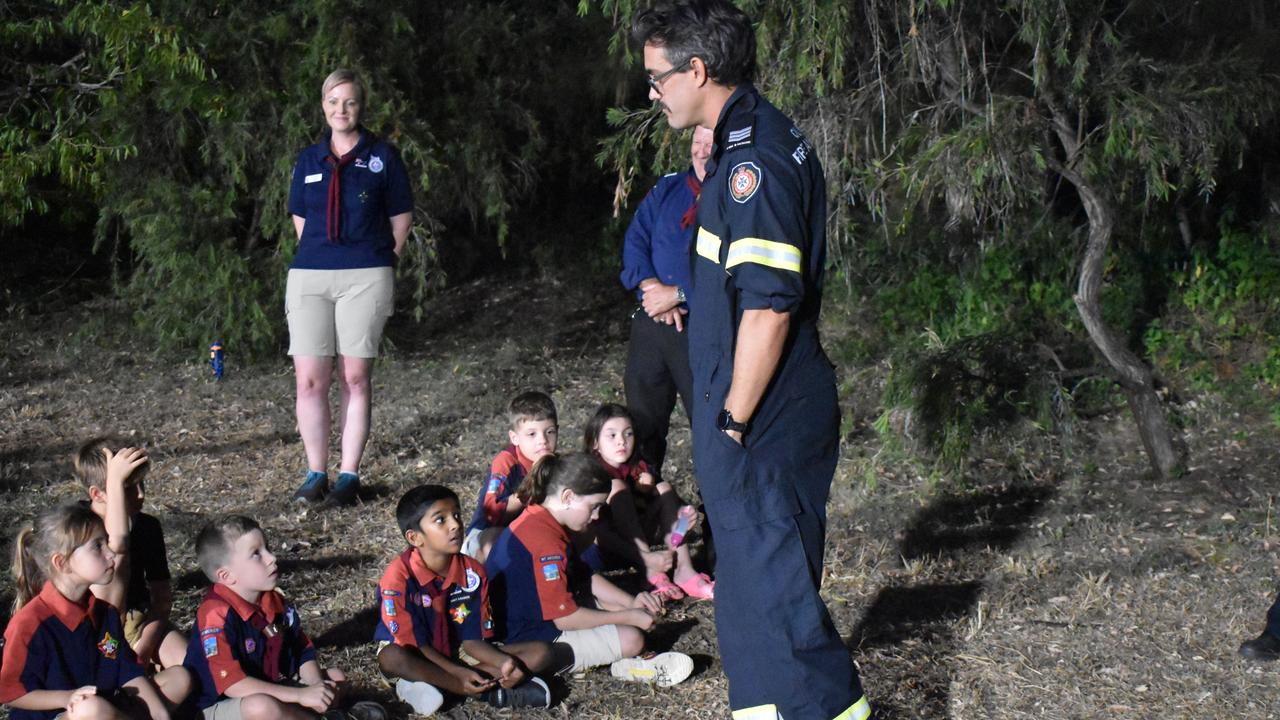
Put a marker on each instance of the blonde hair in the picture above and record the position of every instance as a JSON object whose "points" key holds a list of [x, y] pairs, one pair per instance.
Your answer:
{"points": [[91, 464], [57, 531], [340, 77]]}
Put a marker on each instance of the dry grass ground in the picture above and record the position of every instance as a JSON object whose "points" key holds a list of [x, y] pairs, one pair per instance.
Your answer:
{"points": [[1057, 581]]}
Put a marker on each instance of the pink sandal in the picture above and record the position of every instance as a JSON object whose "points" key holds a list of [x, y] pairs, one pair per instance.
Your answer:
{"points": [[700, 587], [664, 589]]}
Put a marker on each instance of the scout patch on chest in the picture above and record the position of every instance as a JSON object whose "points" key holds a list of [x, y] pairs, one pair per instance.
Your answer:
{"points": [[109, 646], [744, 181], [460, 614], [473, 581]]}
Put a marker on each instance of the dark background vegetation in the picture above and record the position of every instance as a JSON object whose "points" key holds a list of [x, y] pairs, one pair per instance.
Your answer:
{"points": [[1041, 210]]}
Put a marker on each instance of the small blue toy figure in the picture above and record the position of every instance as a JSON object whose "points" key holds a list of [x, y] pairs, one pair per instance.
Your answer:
{"points": [[216, 359]]}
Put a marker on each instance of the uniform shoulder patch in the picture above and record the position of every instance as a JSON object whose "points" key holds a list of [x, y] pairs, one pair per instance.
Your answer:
{"points": [[742, 137], [744, 181]]}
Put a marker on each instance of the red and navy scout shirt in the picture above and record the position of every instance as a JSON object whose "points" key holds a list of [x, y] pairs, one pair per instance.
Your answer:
{"points": [[507, 471], [418, 608], [53, 643], [234, 639], [529, 568]]}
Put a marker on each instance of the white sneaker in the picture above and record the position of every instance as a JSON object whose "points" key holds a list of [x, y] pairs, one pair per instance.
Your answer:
{"points": [[665, 670], [422, 697]]}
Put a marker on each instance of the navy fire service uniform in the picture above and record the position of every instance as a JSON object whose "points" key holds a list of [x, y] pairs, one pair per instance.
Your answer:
{"points": [[762, 244]]}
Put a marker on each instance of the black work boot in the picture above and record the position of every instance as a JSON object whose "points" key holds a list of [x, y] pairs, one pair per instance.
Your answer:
{"points": [[1265, 647]]}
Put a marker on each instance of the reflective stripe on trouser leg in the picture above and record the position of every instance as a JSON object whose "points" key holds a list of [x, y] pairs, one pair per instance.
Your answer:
{"points": [[777, 642], [860, 710]]}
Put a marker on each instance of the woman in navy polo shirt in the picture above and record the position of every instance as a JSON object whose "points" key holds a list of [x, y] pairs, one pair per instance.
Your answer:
{"points": [[352, 209]]}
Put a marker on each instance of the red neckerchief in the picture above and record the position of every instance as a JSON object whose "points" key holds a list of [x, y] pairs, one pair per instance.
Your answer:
{"points": [[257, 618], [333, 210], [691, 215], [625, 471]]}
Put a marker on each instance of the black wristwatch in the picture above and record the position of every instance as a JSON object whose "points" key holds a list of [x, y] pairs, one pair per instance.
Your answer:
{"points": [[726, 423]]}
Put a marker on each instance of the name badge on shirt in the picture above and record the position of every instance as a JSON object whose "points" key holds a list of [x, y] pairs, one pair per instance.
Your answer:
{"points": [[313, 178]]}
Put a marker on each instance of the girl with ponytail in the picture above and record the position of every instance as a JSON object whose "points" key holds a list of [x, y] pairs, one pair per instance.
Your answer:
{"points": [[533, 570], [64, 649]]}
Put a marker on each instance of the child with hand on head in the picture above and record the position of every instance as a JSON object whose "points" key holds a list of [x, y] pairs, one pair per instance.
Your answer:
{"points": [[64, 649], [113, 476], [247, 649], [532, 432], [533, 569], [433, 603], [628, 533]]}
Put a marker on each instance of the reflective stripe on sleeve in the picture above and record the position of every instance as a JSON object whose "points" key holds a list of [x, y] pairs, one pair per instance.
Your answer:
{"points": [[762, 252], [709, 245], [759, 712], [860, 710]]}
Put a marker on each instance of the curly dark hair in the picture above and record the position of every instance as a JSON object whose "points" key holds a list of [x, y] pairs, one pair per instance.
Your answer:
{"points": [[715, 31]]}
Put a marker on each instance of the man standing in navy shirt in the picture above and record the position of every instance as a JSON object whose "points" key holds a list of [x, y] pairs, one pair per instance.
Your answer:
{"points": [[655, 264], [765, 417]]}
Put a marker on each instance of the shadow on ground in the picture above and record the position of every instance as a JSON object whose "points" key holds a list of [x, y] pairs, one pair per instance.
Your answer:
{"points": [[909, 630]]}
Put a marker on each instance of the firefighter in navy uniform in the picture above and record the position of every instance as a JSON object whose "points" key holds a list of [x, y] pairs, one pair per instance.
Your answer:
{"points": [[765, 419]]}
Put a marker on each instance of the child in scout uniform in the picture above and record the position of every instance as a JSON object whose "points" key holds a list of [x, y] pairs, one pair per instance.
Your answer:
{"points": [[248, 650], [434, 612], [534, 568], [64, 649], [113, 476], [532, 432], [643, 510]]}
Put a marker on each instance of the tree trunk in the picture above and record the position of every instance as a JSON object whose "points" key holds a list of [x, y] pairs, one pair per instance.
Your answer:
{"points": [[1168, 455]]}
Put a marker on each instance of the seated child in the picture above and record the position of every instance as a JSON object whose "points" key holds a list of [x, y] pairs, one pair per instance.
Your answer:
{"points": [[532, 434], [248, 650], [113, 477], [532, 567], [629, 534], [434, 611], [64, 656]]}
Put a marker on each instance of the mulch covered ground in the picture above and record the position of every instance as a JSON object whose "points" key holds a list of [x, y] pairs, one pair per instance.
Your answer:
{"points": [[1055, 580]]}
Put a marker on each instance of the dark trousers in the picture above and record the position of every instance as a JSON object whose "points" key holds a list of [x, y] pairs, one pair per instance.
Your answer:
{"points": [[1273, 618], [657, 370], [778, 643]]}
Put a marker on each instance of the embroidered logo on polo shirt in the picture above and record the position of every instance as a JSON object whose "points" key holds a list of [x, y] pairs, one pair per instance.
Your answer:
{"points": [[108, 646], [551, 572], [744, 181], [375, 164], [389, 607], [460, 614], [210, 644], [473, 581]]}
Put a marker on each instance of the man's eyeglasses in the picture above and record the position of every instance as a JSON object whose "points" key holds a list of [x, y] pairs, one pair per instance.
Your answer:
{"points": [[655, 81]]}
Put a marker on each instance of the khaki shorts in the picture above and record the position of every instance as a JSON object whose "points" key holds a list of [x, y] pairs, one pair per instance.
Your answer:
{"points": [[134, 622], [338, 312], [593, 647], [228, 709]]}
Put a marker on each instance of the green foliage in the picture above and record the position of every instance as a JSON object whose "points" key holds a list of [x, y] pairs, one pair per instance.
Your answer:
{"points": [[953, 393], [1223, 332], [181, 121]]}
